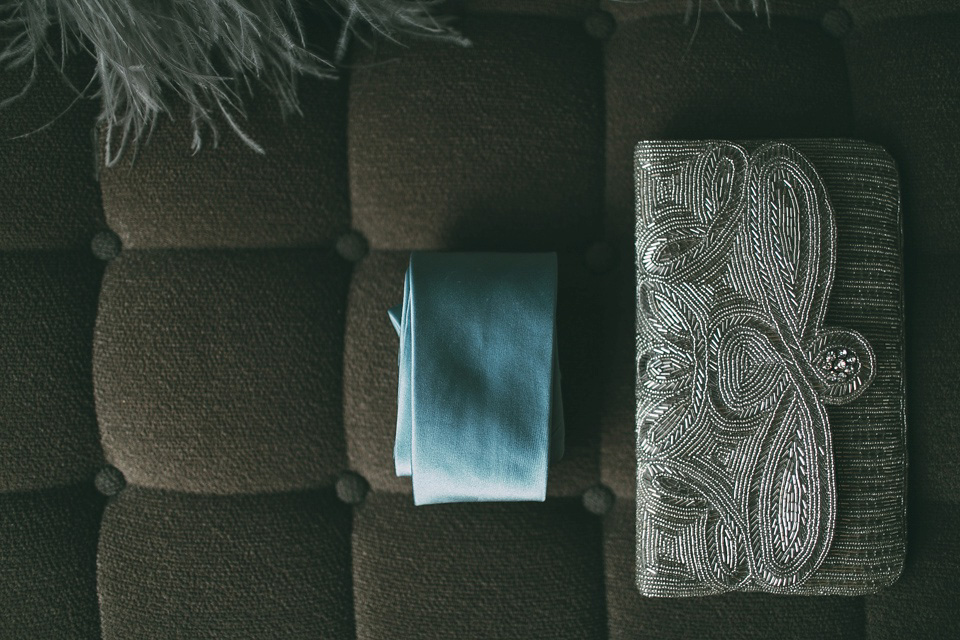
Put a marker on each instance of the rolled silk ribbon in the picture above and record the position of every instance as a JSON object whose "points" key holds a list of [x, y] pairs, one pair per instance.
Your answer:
{"points": [[480, 413]]}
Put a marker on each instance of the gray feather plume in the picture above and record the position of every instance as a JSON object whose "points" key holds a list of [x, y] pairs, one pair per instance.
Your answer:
{"points": [[203, 52]]}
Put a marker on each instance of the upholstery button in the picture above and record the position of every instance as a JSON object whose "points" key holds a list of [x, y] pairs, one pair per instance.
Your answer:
{"points": [[106, 245], [351, 487], [837, 22], [600, 257], [109, 481], [598, 499], [600, 25], [352, 246]]}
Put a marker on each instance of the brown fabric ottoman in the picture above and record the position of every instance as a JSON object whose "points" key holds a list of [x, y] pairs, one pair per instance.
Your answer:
{"points": [[235, 365]]}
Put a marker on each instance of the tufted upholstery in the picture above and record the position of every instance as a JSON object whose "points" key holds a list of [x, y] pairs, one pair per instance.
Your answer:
{"points": [[234, 362]]}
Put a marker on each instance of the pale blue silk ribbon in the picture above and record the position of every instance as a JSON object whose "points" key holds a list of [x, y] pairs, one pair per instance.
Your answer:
{"points": [[480, 413]]}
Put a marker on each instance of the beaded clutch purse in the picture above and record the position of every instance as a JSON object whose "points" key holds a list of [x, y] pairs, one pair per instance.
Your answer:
{"points": [[770, 397]]}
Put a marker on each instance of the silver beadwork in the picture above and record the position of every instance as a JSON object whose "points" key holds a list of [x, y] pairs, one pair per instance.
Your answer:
{"points": [[736, 253]]}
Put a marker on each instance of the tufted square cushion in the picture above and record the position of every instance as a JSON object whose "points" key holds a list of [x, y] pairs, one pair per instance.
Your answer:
{"points": [[617, 339], [895, 105], [186, 566], [48, 542], [47, 127], [504, 149], [476, 571], [934, 441], [295, 193], [220, 372], [370, 370], [48, 303]]}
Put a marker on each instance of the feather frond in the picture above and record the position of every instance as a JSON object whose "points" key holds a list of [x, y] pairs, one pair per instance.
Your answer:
{"points": [[202, 52]]}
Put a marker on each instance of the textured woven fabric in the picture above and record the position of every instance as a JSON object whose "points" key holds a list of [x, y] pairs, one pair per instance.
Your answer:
{"points": [[291, 554], [480, 413], [748, 363], [487, 574], [521, 143], [260, 369]]}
